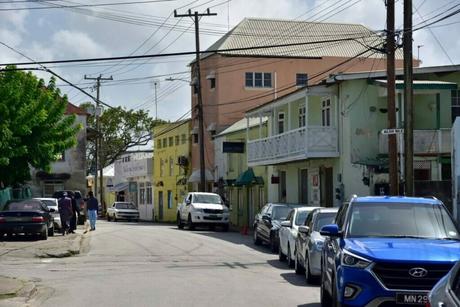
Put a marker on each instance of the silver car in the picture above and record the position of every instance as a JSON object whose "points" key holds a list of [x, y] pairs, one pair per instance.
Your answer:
{"points": [[309, 243], [52, 203]]}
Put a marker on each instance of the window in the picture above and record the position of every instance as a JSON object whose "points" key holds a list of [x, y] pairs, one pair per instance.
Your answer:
{"points": [[148, 192], [301, 79], [162, 168], [302, 116], [170, 199], [177, 140], [195, 138], [326, 112], [212, 83], [455, 104], [258, 79], [184, 139], [171, 141], [280, 122], [171, 166], [50, 187], [159, 144], [165, 143]]}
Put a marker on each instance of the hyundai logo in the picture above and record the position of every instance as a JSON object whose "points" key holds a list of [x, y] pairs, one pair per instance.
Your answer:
{"points": [[418, 272]]}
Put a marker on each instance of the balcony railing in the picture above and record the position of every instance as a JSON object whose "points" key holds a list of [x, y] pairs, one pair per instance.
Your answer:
{"points": [[298, 144], [425, 142]]}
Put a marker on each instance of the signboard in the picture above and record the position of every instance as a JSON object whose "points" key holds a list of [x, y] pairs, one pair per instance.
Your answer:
{"points": [[233, 147], [392, 131]]}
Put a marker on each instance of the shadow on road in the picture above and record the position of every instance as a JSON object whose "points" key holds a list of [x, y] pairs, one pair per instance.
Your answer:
{"points": [[310, 305], [20, 238]]}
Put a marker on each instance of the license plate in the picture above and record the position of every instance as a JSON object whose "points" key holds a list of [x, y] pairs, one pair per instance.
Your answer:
{"points": [[18, 228], [213, 216], [412, 298]]}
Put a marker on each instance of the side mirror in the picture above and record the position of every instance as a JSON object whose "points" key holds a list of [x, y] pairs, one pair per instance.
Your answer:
{"points": [[331, 230], [266, 217], [52, 210], [304, 229], [286, 224], [188, 202]]}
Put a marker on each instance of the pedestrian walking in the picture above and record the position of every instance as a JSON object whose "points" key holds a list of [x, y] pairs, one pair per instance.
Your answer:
{"points": [[65, 212], [75, 213], [92, 206]]}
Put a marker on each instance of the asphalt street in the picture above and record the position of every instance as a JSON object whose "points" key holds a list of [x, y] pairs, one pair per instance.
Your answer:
{"points": [[140, 264]]}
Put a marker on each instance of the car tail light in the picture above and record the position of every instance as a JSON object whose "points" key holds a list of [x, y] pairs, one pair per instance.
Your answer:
{"points": [[38, 219], [2, 219]]}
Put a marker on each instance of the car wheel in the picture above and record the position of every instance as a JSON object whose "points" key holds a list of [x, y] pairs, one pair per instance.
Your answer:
{"points": [[225, 228], [310, 278], [298, 266], [44, 234], [256, 237], [51, 231], [115, 218], [273, 245], [281, 256], [190, 223], [179, 222], [290, 262], [108, 218], [2, 235]]}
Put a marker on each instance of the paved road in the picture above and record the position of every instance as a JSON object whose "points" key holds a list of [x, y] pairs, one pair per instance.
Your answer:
{"points": [[127, 264]]}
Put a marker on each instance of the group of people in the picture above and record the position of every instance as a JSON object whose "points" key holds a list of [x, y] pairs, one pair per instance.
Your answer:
{"points": [[69, 211]]}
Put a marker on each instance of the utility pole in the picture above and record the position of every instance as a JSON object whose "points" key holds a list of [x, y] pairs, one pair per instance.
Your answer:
{"points": [[196, 16], [408, 100], [155, 84], [99, 141], [392, 146]]}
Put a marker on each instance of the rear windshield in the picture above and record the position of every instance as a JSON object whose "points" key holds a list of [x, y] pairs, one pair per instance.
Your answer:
{"points": [[49, 203], [280, 213], [207, 199], [410, 220], [125, 206], [322, 219], [25, 206]]}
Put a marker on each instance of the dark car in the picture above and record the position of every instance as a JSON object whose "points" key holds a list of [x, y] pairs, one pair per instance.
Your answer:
{"points": [[446, 293], [268, 222], [27, 217]]}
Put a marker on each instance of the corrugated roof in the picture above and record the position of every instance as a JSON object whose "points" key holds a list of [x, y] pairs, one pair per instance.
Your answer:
{"points": [[241, 125], [254, 32]]}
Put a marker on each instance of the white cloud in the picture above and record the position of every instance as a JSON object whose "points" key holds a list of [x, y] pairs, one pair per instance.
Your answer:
{"points": [[76, 44]]}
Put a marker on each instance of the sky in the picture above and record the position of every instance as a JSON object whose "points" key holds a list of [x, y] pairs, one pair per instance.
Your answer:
{"points": [[150, 28]]}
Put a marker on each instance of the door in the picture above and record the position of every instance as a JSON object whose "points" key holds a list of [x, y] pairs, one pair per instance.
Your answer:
{"points": [[326, 187], [303, 190], [160, 205], [282, 187]]}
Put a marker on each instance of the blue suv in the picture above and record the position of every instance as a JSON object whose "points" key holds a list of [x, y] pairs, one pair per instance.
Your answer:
{"points": [[387, 251]]}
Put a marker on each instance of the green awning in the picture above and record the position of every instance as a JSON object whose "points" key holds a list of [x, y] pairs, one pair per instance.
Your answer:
{"points": [[247, 178]]}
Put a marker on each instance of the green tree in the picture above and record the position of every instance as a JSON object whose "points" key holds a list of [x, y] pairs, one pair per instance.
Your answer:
{"points": [[33, 127], [120, 130]]}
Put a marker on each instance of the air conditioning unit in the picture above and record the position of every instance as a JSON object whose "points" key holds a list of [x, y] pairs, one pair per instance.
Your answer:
{"points": [[182, 160]]}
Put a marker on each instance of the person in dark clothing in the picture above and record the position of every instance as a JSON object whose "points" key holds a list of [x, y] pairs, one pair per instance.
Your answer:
{"points": [[92, 205], [75, 213], [65, 212]]}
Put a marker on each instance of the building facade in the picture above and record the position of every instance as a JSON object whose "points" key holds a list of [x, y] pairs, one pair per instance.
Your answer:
{"points": [[171, 168], [69, 171]]}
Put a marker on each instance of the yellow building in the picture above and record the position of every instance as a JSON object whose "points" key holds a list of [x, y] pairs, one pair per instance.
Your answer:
{"points": [[171, 168]]}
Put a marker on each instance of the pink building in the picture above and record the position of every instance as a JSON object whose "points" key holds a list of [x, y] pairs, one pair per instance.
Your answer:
{"points": [[300, 53]]}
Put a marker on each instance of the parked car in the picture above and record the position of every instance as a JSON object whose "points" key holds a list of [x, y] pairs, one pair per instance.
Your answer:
{"points": [[288, 233], [268, 222], [204, 209], [80, 203], [27, 217], [52, 203], [386, 251], [309, 243], [446, 293], [122, 211]]}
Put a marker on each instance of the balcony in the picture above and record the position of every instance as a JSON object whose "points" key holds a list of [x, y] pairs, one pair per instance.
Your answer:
{"points": [[298, 144], [426, 142]]}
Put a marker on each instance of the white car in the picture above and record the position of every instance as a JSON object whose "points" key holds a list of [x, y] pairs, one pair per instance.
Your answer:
{"points": [[205, 209], [52, 203], [122, 211], [288, 233]]}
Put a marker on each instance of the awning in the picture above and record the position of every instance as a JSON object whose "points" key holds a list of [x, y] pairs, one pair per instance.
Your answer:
{"points": [[195, 177], [120, 187], [247, 178]]}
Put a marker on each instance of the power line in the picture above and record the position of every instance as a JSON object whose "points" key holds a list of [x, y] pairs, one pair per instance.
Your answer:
{"points": [[80, 5]]}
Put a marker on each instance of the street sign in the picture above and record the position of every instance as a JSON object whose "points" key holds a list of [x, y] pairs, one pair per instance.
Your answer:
{"points": [[392, 131]]}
